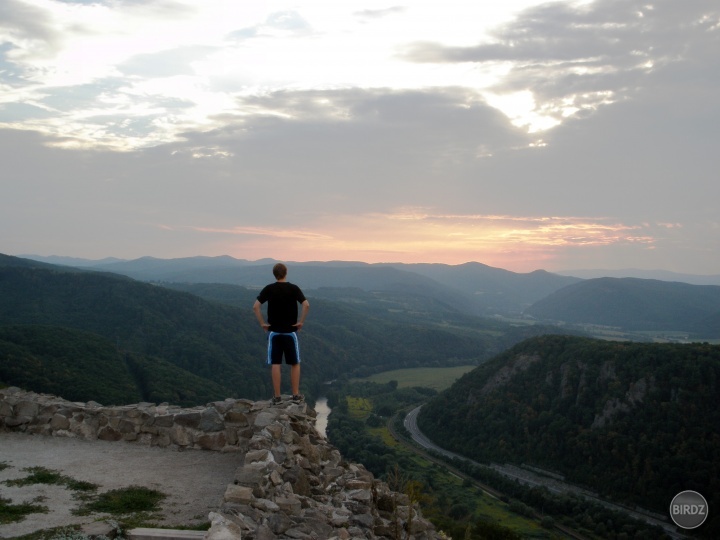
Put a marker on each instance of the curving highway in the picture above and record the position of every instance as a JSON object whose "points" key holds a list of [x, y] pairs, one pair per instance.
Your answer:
{"points": [[529, 478]]}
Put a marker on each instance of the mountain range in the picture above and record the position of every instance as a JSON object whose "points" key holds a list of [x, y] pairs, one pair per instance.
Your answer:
{"points": [[67, 331], [629, 304]]}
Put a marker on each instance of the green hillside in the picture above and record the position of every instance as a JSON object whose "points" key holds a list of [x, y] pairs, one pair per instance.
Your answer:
{"points": [[175, 346], [81, 366], [636, 304], [214, 342], [637, 422]]}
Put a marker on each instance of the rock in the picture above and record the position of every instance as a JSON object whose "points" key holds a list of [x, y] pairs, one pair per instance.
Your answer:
{"points": [[290, 482], [221, 528], [239, 494]]}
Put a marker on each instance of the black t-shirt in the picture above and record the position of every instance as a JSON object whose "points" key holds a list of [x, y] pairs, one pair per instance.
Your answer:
{"points": [[282, 298]]}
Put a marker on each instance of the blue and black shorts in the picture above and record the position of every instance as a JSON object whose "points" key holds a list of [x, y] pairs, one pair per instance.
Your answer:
{"points": [[283, 344]]}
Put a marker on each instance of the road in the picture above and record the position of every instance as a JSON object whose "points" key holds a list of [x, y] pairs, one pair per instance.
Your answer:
{"points": [[527, 477]]}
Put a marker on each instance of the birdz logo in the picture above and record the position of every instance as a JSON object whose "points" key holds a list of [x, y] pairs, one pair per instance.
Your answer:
{"points": [[688, 509]]}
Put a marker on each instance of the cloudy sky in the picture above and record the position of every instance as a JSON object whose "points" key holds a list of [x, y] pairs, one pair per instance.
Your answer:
{"points": [[520, 134]]}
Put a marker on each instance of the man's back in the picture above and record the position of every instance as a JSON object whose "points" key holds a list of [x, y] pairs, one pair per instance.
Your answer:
{"points": [[283, 299]]}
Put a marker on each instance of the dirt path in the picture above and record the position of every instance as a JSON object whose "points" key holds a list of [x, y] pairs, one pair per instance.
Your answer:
{"points": [[194, 481]]}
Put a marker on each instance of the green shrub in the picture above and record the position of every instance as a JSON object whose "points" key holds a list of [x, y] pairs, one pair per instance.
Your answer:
{"points": [[125, 501]]}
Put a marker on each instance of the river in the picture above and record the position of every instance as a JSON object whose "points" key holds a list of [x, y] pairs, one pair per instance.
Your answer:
{"points": [[323, 411]]}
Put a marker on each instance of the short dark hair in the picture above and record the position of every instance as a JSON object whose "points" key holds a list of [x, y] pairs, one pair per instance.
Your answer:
{"points": [[279, 271]]}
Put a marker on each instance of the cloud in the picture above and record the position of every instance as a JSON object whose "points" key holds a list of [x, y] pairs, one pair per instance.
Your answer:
{"points": [[25, 22], [168, 63], [380, 13], [298, 132], [575, 58], [267, 232]]}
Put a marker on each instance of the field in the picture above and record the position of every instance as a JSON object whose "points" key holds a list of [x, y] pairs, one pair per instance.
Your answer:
{"points": [[436, 378]]}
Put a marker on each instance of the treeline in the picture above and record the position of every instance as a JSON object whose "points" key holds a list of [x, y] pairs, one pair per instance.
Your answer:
{"points": [[635, 422], [82, 366]]}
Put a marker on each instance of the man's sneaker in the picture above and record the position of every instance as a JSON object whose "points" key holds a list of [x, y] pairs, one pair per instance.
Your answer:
{"points": [[276, 400], [297, 398]]}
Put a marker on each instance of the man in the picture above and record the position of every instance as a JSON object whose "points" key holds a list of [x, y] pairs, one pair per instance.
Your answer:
{"points": [[282, 326]]}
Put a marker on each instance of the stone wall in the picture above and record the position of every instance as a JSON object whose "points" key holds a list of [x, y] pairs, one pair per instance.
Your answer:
{"points": [[292, 483], [223, 426]]}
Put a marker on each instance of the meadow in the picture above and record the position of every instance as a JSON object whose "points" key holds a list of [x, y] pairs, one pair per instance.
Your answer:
{"points": [[436, 378]]}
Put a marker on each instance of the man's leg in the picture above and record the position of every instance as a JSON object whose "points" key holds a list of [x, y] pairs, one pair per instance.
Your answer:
{"points": [[276, 378], [295, 379]]}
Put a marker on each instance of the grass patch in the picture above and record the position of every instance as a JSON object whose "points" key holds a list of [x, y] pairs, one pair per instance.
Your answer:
{"points": [[359, 408], [384, 433], [38, 475], [3, 466], [41, 475], [436, 378], [124, 501], [498, 512], [10, 513]]}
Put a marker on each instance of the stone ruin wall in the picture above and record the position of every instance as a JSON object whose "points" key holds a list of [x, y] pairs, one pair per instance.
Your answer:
{"points": [[224, 426], [291, 484]]}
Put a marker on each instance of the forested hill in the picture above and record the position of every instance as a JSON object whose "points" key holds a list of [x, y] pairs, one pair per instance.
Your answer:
{"points": [[636, 304], [168, 345], [637, 422]]}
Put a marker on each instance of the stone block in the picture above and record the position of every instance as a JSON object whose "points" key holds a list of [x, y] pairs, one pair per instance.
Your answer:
{"points": [[6, 409], [355, 483], [265, 418], [210, 421], [126, 426], [275, 430], [248, 476], [236, 417], [58, 421], [289, 505], [361, 495], [26, 408], [188, 419], [212, 441], [364, 520], [15, 421], [262, 456], [166, 420], [180, 436], [238, 494], [109, 434]]}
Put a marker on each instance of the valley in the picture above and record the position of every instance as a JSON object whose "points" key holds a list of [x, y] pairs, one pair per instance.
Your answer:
{"points": [[506, 388]]}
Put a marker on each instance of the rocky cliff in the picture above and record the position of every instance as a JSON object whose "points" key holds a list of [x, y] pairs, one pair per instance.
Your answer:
{"points": [[291, 484]]}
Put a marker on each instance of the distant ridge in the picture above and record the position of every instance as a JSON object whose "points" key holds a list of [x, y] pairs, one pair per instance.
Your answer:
{"points": [[473, 287], [635, 304], [71, 261], [662, 275]]}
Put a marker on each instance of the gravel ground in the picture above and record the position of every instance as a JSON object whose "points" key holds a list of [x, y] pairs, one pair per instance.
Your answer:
{"points": [[193, 480]]}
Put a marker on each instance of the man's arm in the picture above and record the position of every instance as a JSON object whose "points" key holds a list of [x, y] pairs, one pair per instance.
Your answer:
{"points": [[305, 308], [259, 316]]}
